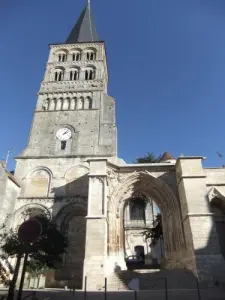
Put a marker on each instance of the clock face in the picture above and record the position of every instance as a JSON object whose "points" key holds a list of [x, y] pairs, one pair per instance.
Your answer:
{"points": [[64, 134]]}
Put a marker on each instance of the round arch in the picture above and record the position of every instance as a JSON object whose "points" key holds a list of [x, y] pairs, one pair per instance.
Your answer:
{"points": [[39, 168], [69, 210], [37, 182], [30, 210], [72, 220]]}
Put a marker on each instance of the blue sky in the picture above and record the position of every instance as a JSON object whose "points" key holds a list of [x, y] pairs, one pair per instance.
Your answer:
{"points": [[166, 62]]}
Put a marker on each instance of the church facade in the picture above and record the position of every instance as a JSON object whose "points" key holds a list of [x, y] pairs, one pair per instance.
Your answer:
{"points": [[70, 173]]}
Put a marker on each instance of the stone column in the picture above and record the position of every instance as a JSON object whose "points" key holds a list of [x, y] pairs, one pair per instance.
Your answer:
{"points": [[96, 228], [199, 226]]}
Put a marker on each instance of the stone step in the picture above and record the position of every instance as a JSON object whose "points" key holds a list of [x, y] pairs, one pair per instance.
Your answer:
{"points": [[150, 279]]}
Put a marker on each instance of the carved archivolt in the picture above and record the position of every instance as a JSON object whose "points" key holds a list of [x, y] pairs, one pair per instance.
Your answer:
{"points": [[143, 182]]}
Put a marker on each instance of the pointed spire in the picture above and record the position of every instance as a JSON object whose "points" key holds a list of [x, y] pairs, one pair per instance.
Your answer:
{"points": [[85, 29], [167, 156]]}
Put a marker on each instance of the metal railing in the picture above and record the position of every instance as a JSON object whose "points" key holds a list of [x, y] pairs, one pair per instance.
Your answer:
{"points": [[138, 223], [163, 288]]}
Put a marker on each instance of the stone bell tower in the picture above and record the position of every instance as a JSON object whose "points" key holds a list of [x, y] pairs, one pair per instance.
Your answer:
{"points": [[73, 123], [74, 115]]}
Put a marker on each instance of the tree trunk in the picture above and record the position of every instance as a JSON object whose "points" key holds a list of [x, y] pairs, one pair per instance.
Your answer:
{"points": [[14, 279]]}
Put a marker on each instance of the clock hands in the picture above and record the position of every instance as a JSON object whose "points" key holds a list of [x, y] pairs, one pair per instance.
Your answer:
{"points": [[65, 132]]}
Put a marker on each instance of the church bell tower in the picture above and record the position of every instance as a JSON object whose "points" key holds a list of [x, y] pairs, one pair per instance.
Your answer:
{"points": [[73, 123], [74, 115]]}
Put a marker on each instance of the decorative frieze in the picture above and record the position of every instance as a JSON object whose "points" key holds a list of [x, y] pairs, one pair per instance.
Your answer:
{"points": [[75, 199], [65, 86]]}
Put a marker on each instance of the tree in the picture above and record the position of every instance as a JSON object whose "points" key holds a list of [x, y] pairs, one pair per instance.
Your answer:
{"points": [[149, 157], [35, 269], [46, 252], [6, 268], [156, 231]]}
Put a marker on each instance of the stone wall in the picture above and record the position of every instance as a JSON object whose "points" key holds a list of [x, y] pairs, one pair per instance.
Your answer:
{"points": [[9, 191], [198, 220]]}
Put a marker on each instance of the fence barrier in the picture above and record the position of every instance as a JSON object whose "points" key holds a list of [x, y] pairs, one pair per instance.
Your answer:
{"points": [[163, 288]]}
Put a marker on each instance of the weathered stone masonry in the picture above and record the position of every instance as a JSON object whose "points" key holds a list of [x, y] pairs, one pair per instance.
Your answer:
{"points": [[70, 172]]}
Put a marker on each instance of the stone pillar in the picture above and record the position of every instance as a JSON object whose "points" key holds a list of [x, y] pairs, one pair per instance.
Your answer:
{"points": [[201, 237], [96, 228]]}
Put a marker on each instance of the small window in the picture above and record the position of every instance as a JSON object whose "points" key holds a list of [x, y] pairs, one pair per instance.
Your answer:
{"points": [[63, 145], [137, 210], [74, 75], [76, 56], [58, 75], [62, 57], [91, 55], [89, 104], [89, 74]]}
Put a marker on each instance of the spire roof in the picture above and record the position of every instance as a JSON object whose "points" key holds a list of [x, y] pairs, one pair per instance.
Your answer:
{"points": [[166, 156], [85, 29]]}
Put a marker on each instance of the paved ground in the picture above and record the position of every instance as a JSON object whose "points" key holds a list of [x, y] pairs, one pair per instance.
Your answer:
{"points": [[185, 294]]}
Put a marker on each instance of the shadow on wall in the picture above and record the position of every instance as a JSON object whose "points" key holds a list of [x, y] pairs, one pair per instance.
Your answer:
{"points": [[71, 217], [69, 211]]}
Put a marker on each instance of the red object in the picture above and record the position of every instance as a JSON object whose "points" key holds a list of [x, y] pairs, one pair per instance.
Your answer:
{"points": [[29, 231]]}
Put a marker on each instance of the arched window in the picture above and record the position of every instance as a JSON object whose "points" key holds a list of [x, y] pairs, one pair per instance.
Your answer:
{"points": [[88, 103], [89, 74], [45, 105], [38, 183], [137, 210], [80, 103], [52, 105], [66, 103], [61, 57], [73, 103], [76, 56], [219, 217], [74, 74], [63, 145], [58, 75], [90, 55]]}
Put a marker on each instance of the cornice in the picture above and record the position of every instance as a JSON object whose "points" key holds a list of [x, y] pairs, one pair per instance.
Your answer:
{"points": [[78, 46], [66, 94], [62, 156], [75, 63], [73, 199]]}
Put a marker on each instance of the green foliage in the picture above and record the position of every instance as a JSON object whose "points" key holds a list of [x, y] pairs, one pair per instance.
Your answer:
{"points": [[45, 253], [149, 157], [36, 268], [6, 270], [156, 231]]}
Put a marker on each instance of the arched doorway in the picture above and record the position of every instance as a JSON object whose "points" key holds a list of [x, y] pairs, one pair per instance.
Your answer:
{"points": [[218, 208], [155, 190], [143, 238], [72, 220]]}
